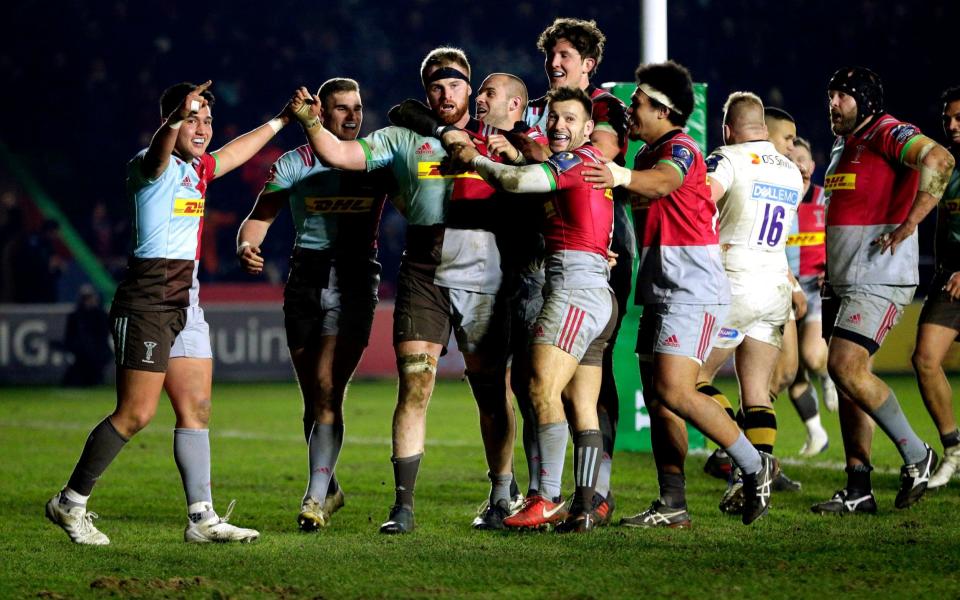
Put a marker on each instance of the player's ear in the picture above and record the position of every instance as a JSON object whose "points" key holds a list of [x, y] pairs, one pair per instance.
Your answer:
{"points": [[589, 64], [588, 127]]}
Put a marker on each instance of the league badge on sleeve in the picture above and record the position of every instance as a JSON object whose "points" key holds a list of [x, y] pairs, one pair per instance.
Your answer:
{"points": [[682, 156], [564, 161], [903, 132]]}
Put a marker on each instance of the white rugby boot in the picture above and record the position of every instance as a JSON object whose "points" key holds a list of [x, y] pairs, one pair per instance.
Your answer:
{"points": [[217, 529], [948, 466], [77, 522]]}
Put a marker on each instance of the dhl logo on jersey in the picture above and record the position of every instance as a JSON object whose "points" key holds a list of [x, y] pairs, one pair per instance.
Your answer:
{"points": [[431, 170], [338, 204], [840, 181], [811, 238], [188, 207]]}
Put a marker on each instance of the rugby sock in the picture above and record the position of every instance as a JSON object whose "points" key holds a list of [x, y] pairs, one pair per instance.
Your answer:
{"points": [[323, 451], [500, 488], [191, 451], [69, 498], [891, 419], [718, 397], [103, 445], [531, 450], [745, 455], [552, 439], [587, 451], [858, 478], [609, 432], [950, 439], [405, 477], [807, 403], [760, 427], [673, 489]]}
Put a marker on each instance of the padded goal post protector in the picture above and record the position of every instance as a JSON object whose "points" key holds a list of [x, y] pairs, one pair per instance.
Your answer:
{"points": [[633, 430]]}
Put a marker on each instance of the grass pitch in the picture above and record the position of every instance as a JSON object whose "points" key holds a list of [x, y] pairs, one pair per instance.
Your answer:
{"points": [[259, 458]]}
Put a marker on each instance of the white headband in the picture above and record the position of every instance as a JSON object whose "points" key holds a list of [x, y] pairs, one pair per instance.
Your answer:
{"points": [[659, 96]]}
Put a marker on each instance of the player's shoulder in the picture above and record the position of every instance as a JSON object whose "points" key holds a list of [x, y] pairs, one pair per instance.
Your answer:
{"points": [[299, 157], [891, 127]]}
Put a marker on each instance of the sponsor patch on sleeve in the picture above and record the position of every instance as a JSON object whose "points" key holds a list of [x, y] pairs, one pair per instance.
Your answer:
{"points": [[682, 156], [564, 161], [903, 132]]}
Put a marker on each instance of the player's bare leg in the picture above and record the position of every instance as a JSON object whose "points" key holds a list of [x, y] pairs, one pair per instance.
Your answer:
{"points": [[933, 343]]}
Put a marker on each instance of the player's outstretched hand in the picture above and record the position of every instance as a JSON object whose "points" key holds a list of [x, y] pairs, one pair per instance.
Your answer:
{"points": [[250, 259], [599, 175], [953, 286]]}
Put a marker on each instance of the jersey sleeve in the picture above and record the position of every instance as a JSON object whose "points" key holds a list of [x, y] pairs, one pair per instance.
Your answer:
{"points": [[381, 146], [208, 167], [895, 138], [678, 155], [720, 168], [287, 171]]}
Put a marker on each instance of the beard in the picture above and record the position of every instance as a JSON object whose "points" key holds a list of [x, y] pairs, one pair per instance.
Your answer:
{"points": [[845, 125], [452, 118]]}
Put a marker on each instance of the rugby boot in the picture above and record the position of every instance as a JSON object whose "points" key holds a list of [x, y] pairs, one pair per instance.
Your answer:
{"points": [[492, 518], [948, 466], [400, 520], [333, 502], [757, 488], [659, 515], [537, 512], [217, 529], [914, 478], [312, 516], [846, 501], [77, 522], [784, 484], [718, 465]]}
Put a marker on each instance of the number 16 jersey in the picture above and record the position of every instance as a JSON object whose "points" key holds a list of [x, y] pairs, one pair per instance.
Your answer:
{"points": [[763, 191]]}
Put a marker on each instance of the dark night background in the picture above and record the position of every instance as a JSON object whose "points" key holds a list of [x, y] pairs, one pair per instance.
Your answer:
{"points": [[81, 81]]}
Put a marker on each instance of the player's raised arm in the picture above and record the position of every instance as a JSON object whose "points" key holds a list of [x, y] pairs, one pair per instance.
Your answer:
{"points": [[331, 150], [243, 148], [165, 139]]}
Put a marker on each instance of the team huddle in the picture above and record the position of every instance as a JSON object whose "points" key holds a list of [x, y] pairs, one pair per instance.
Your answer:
{"points": [[741, 256]]}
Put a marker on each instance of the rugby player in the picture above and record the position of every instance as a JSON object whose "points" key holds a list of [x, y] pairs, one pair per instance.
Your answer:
{"points": [[757, 191], [578, 311], [940, 318], [449, 277], [573, 50], [160, 337], [331, 292], [810, 266], [684, 291], [884, 178]]}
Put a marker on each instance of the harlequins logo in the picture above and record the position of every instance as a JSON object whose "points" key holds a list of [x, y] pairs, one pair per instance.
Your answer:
{"points": [[149, 357]]}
